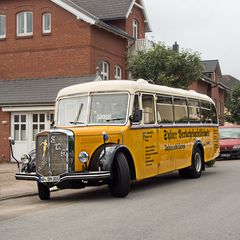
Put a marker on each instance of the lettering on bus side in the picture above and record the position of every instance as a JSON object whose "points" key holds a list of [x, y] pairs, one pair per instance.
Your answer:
{"points": [[183, 134], [150, 148]]}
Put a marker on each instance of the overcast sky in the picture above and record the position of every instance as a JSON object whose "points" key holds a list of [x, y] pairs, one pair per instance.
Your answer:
{"points": [[210, 27]]}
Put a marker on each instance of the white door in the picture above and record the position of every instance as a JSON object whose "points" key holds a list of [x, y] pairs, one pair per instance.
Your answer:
{"points": [[24, 128], [19, 128]]}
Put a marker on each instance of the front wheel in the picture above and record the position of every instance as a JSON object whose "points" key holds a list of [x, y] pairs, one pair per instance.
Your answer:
{"points": [[119, 186], [43, 191]]}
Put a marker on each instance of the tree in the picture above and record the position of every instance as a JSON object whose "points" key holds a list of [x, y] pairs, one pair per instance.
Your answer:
{"points": [[233, 106], [164, 66]]}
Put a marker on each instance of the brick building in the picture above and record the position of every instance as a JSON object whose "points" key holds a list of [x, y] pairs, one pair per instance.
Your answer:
{"points": [[211, 85], [46, 45]]}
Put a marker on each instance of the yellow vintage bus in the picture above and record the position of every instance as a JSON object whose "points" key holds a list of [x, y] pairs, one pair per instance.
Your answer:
{"points": [[115, 132]]}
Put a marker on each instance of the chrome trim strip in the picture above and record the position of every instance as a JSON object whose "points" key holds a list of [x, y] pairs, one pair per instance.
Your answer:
{"points": [[173, 126], [77, 176], [24, 176]]}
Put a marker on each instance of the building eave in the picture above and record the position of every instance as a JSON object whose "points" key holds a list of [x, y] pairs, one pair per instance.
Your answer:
{"points": [[75, 12], [82, 14]]}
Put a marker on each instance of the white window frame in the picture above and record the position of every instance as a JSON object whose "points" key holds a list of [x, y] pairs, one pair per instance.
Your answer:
{"points": [[4, 31], [118, 72], [135, 28], [25, 27], [105, 71], [44, 30]]}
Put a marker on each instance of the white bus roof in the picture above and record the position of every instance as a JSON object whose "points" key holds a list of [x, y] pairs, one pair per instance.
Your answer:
{"points": [[130, 86]]}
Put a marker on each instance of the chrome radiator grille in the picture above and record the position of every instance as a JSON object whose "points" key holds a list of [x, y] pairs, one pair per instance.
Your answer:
{"points": [[51, 150]]}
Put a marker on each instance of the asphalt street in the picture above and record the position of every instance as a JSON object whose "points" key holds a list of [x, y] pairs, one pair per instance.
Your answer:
{"points": [[166, 207]]}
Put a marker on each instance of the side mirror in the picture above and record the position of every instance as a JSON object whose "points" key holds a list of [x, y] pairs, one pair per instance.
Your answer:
{"points": [[137, 116], [52, 123], [11, 141]]}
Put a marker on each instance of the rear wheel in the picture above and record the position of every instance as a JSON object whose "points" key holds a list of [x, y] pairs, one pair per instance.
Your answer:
{"points": [[195, 171], [43, 191], [119, 186]]}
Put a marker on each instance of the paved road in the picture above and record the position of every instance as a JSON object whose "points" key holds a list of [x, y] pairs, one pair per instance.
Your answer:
{"points": [[166, 207]]}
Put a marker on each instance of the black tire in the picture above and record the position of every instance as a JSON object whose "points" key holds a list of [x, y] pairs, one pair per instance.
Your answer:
{"points": [[195, 171], [119, 186], [43, 191]]}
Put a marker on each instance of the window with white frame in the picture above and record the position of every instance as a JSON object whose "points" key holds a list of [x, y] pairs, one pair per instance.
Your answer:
{"points": [[25, 24], [2, 26], [20, 127], [118, 72], [105, 71], [135, 29], [47, 23]]}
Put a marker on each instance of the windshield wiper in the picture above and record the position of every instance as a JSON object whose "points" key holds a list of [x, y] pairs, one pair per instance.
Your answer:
{"points": [[78, 115], [114, 119]]}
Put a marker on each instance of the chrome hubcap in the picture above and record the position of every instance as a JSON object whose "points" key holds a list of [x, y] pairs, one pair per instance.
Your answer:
{"points": [[198, 162]]}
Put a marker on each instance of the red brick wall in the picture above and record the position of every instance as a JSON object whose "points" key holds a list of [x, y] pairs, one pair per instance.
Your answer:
{"points": [[72, 49], [138, 15], [4, 135], [201, 87], [110, 48], [119, 23], [65, 52]]}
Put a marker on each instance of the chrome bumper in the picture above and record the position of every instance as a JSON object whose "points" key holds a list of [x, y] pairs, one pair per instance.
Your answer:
{"points": [[103, 175]]}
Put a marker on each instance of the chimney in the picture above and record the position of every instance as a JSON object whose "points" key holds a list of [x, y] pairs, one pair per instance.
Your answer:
{"points": [[175, 47]]}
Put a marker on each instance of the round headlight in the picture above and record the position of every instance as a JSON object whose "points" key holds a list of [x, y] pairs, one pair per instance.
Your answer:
{"points": [[83, 157], [25, 158]]}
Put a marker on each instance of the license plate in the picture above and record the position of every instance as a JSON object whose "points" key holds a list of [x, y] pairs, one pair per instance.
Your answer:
{"points": [[50, 179], [225, 155]]}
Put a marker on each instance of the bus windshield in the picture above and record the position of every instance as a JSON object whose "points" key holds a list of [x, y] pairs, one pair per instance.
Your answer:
{"points": [[97, 109]]}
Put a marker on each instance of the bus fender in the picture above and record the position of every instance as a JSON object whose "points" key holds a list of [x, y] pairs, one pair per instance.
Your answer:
{"points": [[199, 144], [107, 156]]}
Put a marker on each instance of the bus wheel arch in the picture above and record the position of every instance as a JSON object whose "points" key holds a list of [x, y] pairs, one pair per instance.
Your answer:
{"points": [[197, 163], [130, 161], [107, 160]]}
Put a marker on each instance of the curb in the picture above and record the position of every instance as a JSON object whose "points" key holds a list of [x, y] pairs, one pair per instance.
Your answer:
{"points": [[22, 195], [15, 196]]}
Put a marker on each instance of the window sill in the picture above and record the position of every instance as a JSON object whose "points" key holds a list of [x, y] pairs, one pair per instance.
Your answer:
{"points": [[3, 38], [24, 37], [46, 34]]}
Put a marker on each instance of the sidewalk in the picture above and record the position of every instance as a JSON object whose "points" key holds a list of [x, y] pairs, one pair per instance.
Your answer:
{"points": [[12, 188]]}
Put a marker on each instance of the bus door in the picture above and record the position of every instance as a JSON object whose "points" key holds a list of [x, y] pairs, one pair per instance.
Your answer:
{"points": [[164, 108], [150, 136]]}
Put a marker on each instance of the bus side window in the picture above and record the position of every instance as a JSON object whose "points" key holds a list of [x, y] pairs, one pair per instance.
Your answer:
{"points": [[148, 109], [164, 109], [206, 112], [194, 111], [180, 110], [214, 114], [135, 104]]}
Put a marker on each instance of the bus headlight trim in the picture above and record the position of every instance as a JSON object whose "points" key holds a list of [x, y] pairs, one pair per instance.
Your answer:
{"points": [[83, 157], [25, 158]]}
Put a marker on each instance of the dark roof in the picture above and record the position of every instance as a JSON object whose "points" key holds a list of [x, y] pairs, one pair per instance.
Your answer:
{"points": [[35, 91], [209, 66], [106, 9], [100, 11], [229, 81]]}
